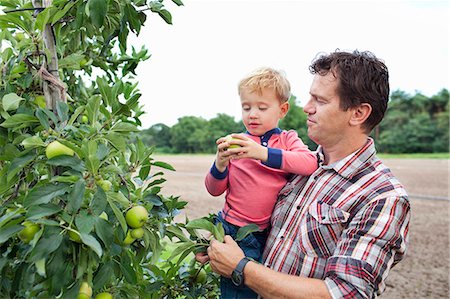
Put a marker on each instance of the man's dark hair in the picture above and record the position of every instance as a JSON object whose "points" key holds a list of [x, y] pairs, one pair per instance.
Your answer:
{"points": [[362, 78]]}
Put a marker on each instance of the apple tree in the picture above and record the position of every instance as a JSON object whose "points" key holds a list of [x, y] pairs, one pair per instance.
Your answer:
{"points": [[81, 211]]}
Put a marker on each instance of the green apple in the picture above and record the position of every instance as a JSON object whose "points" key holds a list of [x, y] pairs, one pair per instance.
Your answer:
{"points": [[84, 119], [83, 296], [136, 216], [28, 232], [137, 233], [55, 149], [228, 138], [104, 295], [128, 239], [199, 277], [104, 184], [85, 289], [74, 236], [104, 216]]}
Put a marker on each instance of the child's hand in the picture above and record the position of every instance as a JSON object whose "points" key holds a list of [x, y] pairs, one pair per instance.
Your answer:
{"points": [[248, 148], [223, 155]]}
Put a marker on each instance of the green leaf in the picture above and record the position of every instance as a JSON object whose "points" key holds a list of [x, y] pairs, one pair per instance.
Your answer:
{"points": [[124, 127], [177, 232], [40, 267], [117, 140], [19, 164], [90, 153], [166, 16], [103, 275], [128, 272], [44, 193], [11, 101], [92, 243], [8, 232], [36, 212], [163, 165], [177, 2], [98, 204], [32, 142], [85, 222], [145, 169], [62, 110], [119, 198], [119, 215], [97, 11], [68, 161], [62, 12], [46, 245], [180, 249], [246, 230], [201, 223], [19, 121], [219, 232], [75, 197], [104, 231], [43, 18]]}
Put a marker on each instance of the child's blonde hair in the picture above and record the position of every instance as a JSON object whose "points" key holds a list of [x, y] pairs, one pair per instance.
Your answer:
{"points": [[267, 77]]}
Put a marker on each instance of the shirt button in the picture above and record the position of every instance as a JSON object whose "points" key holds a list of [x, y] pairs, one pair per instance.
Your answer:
{"points": [[298, 207], [282, 237], [264, 143]]}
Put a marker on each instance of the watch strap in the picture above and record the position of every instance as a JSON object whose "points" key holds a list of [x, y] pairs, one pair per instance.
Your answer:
{"points": [[239, 270]]}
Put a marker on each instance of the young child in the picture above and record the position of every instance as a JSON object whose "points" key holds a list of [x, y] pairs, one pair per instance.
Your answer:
{"points": [[257, 165]]}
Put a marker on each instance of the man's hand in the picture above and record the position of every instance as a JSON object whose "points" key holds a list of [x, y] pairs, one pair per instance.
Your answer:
{"points": [[224, 257]]}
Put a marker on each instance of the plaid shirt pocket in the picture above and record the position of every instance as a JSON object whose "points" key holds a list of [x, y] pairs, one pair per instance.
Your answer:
{"points": [[322, 229]]}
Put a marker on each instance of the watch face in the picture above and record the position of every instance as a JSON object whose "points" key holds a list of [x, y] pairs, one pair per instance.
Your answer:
{"points": [[236, 278]]}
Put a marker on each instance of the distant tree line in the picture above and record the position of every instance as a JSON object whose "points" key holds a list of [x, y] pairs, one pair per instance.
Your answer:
{"points": [[413, 124]]}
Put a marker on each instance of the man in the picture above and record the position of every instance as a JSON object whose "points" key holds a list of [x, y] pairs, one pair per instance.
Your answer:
{"points": [[338, 232]]}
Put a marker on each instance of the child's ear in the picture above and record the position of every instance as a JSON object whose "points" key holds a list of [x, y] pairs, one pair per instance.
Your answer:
{"points": [[360, 114], [284, 108]]}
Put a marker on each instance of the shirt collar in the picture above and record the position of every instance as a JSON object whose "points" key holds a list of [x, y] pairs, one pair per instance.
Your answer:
{"points": [[268, 134], [348, 166]]}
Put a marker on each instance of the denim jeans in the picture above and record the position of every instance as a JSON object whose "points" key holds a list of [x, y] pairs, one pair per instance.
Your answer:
{"points": [[253, 246]]}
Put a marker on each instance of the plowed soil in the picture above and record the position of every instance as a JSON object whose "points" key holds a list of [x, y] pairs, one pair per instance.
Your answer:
{"points": [[424, 273]]}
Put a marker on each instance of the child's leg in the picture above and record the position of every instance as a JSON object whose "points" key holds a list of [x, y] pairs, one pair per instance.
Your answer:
{"points": [[252, 248]]}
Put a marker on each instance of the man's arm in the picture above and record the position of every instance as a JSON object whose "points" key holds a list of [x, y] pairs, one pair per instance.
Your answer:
{"points": [[268, 283]]}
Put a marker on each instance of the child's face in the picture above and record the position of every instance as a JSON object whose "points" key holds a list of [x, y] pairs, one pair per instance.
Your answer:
{"points": [[261, 113]]}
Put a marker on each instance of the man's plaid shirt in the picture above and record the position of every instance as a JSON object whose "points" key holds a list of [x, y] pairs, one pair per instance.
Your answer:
{"points": [[347, 223]]}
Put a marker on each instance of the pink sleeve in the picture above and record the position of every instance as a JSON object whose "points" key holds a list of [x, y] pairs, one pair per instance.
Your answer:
{"points": [[215, 186], [297, 158]]}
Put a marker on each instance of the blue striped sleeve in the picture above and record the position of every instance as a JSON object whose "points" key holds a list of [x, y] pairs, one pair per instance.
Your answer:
{"points": [[274, 157], [217, 174]]}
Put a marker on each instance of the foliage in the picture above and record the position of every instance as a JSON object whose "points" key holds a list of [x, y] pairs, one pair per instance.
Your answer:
{"points": [[62, 214], [412, 124], [415, 124]]}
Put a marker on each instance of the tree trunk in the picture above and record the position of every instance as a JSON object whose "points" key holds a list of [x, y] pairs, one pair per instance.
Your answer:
{"points": [[54, 89]]}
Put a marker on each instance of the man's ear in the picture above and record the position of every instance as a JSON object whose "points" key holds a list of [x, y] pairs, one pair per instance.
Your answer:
{"points": [[284, 109], [360, 114]]}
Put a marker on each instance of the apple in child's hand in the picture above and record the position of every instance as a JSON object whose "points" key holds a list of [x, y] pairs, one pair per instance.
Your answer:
{"points": [[228, 138]]}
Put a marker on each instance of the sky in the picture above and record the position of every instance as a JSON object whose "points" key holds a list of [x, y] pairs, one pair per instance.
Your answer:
{"points": [[197, 62]]}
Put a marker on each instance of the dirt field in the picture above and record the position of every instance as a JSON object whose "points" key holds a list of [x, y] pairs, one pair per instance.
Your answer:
{"points": [[424, 273]]}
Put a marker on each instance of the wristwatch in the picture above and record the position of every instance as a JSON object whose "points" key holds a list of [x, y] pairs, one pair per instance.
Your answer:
{"points": [[237, 277]]}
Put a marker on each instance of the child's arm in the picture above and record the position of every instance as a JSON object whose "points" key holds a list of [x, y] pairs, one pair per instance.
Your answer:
{"points": [[295, 158], [216, 181]]}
